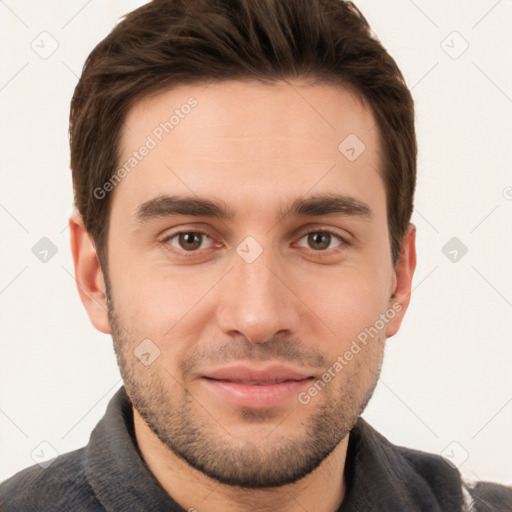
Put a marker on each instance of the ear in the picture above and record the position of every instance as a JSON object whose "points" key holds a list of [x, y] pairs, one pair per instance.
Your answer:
{"points": [[88, 274], [402, 280]]}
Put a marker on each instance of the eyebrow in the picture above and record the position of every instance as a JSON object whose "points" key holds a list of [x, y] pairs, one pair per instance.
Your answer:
{"points": [[324, 204]]}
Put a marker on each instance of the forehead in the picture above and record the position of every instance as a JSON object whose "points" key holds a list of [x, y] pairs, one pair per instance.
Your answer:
{"points": [[236, 140]]}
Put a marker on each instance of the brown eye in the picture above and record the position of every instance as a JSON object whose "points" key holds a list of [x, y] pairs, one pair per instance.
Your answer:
{"points": [[319, 241], [323, 241], [189, 241]]}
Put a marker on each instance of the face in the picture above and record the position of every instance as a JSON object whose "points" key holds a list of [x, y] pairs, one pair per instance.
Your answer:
{"points": [[249, 261]]}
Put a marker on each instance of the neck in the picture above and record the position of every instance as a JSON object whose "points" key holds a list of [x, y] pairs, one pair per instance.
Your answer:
{"points": [[322, 490]]}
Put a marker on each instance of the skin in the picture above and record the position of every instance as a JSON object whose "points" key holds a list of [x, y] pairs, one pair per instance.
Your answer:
{"points": [[298, 303]]}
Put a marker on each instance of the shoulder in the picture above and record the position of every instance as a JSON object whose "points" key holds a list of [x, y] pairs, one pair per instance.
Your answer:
{"points": [[477, 496], [423, 478], [487, 497], [61, 486]]}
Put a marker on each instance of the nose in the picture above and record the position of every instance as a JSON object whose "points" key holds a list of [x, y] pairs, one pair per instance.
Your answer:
{"points": [[257, 300]]}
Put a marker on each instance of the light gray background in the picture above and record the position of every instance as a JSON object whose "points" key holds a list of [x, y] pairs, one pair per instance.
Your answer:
{"points": [[446, 385]]}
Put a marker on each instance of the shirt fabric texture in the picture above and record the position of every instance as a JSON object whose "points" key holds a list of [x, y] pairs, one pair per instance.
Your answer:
{"points": [[109, 474]]}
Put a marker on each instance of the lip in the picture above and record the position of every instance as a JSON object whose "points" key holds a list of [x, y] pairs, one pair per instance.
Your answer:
{"points": [[256, 388], [268, 375]]}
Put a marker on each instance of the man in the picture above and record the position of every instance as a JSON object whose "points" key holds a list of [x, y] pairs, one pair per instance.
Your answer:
{"points": [[244, 175]]}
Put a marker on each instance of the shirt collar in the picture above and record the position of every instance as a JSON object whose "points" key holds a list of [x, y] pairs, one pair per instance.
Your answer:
{"points": [[385, 477], [115, 468]]}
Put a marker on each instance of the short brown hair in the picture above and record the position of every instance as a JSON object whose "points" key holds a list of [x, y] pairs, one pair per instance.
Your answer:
{"points": [[170, 42]]}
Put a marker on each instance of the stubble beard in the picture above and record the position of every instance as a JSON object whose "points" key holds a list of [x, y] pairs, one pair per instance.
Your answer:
{"points": [[197, 437]]}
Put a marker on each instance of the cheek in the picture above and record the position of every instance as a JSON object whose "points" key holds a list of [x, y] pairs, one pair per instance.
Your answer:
{"points": [[142, 290], [169, 307], [346, 300]]}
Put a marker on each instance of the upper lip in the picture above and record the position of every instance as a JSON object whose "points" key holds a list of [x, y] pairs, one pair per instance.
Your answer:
{"points": [[246, 374]]}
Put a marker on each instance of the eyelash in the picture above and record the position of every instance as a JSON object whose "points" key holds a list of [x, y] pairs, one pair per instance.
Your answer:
{"points": [[344, 243]]}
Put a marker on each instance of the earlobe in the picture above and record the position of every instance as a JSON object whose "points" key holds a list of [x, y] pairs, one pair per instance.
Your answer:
{"points": [[402, 280], [88, 274]]}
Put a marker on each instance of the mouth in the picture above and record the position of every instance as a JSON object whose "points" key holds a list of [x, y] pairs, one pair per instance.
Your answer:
{"points": [[256, 382], [255, 388]]}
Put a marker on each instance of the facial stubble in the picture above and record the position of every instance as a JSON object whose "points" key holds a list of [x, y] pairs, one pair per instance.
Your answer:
{"points": [[196, 435]]}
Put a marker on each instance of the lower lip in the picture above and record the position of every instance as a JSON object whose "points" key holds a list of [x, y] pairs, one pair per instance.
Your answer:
{"points": [[256, 397]]}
